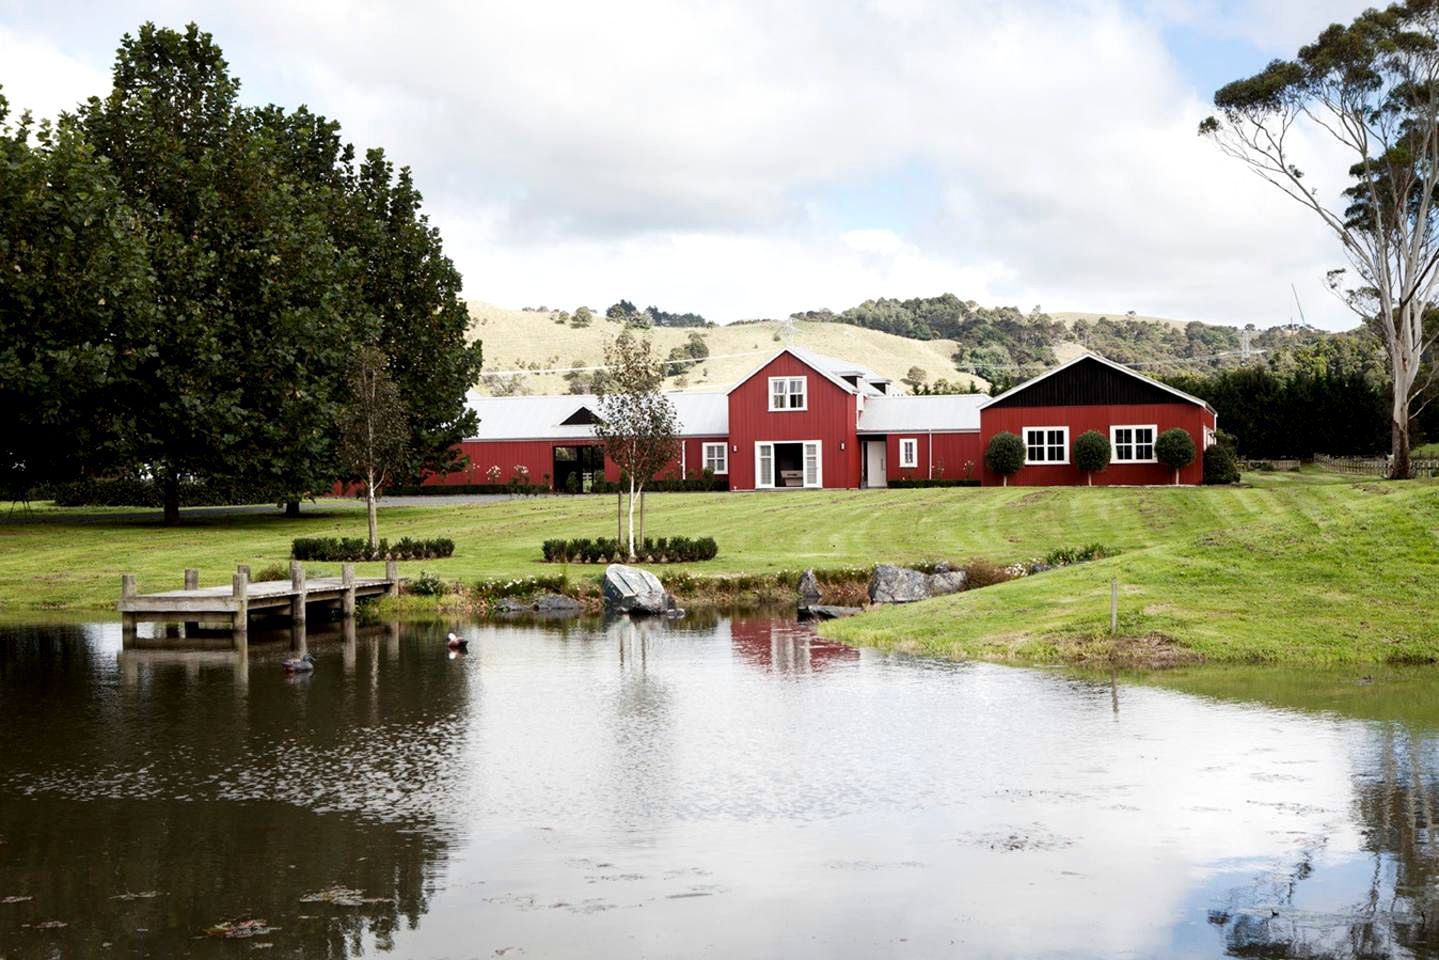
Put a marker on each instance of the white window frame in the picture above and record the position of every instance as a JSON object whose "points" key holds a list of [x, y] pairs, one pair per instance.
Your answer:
{"points": [[723, 458], [1024, 435], [1114, 441], [908, 452], [789, 393], [804, 444]]}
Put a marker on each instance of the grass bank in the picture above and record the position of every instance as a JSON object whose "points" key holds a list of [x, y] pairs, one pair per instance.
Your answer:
{"points": [[1298, 567], [1310, 570]]}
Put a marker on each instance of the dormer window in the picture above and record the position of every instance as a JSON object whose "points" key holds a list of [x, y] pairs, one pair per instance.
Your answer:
{"points": [[788, 393]]}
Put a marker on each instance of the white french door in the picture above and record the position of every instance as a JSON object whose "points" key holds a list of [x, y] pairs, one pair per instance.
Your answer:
{"points": [[766, 473]]}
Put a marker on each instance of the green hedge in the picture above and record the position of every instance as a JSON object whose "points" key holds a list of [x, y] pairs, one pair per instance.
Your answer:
{"points": [[350, 549], [135, 492], [457, 489], [606, 549], [698, 484], [933, 482]]}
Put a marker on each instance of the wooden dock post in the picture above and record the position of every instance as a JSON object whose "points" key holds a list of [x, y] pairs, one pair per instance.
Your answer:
{"points": [[240, 619], [297, 584], [192, 578], [392, 574], [127, 620], [347, 583]]}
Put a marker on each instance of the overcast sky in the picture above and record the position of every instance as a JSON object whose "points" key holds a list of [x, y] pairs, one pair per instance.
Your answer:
{"points": [[749, 159]]}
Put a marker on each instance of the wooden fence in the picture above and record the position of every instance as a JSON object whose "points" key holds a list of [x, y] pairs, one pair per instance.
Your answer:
{"points": [[1269, 465], [1375, 466]]}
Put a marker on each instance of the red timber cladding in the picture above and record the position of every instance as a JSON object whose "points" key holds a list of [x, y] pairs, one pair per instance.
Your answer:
{"points": [[952, 451], [829, 418], [539, 457], [1080, 419]]}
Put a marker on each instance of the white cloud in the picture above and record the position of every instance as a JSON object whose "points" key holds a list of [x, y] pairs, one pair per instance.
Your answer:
{"points": [[36, 75], [711, 157]]}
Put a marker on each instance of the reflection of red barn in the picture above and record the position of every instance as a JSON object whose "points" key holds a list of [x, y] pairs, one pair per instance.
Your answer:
{"points": [[804, 420], [785, 646]]}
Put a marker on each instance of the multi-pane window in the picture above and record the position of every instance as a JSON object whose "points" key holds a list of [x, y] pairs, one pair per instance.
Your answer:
{"points": [[716, 457], [1133, 444], [909, 453], [787, 393], [1046, 444]]}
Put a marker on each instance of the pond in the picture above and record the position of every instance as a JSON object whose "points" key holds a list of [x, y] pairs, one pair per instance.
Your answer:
{"points": [[725, 787]]}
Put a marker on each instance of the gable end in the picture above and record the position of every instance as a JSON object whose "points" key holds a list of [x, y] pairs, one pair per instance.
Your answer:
{"points": [[1088, 382]]}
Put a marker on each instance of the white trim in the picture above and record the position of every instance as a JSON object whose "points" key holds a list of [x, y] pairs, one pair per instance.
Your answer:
{"points": [[911, 461], [789, 383], [723, 457], [1153, 429], [1024, 436], [1108, 363], [759, 483]]}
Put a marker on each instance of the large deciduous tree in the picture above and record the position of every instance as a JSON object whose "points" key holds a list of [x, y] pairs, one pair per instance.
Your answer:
{"points": [[638, 425], [1372, 87]]}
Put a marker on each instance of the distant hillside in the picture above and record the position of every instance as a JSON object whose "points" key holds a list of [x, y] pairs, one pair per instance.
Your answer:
{"points": [[945, 337], [531, 341]]}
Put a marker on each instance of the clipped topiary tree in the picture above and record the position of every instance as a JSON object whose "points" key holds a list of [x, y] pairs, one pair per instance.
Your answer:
{"points": [[1091, 454], [1005, 455], [1175, 448]]}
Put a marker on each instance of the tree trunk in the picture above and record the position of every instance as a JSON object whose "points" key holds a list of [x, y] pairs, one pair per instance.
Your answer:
{"points": [[1176, 476], [642, 516], [370, 511], [292, 508], [172, 500], [1400, 468], [1004, 479], [1089, 479], [632, 519], [619, 514]]}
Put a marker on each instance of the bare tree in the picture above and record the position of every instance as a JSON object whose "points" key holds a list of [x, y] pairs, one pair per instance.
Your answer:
{"points": [[1372, 87], [637, 423], [374, 428]]}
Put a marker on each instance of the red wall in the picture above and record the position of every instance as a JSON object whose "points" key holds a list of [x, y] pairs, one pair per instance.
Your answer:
{"points": [[951, 450], [539, 456], [1166, 416], [830, 419]]}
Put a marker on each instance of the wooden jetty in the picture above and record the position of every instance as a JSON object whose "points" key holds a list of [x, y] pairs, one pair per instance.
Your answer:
{"points": [[230, 606]]}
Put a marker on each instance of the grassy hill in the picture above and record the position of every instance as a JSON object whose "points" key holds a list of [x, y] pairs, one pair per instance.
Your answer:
{"points": [[532, 341]]}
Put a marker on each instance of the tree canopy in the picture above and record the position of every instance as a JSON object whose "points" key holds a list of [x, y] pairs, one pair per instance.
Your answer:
{"points": [[241, 263]]}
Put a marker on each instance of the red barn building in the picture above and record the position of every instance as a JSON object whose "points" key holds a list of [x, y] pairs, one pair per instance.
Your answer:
{"points": [[803, 420]]}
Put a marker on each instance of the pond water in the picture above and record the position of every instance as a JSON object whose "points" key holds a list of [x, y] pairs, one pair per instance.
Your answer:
{"points": [[729, 787]]}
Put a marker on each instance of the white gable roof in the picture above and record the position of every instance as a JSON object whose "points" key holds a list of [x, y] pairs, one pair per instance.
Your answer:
{"points": [[1088, 355], [542, 417], [900, 414]]}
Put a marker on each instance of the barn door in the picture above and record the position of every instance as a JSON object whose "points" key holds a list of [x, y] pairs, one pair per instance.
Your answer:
{"points": [[813, 476], [764, 465]]}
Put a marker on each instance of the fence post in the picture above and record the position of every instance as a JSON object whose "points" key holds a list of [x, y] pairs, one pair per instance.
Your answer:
{"points": [[1113, 605]]}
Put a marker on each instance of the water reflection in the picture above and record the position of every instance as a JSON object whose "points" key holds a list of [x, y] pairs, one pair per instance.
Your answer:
{"points": [[715, 786]]}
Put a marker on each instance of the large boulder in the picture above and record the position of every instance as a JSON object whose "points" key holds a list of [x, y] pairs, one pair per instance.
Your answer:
{"points": [[891, 584], [945, 581], [808, 589], [632, 590]]}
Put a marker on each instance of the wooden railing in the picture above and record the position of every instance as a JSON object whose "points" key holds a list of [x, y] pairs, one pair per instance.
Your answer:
{"points": [[1375, 466]]}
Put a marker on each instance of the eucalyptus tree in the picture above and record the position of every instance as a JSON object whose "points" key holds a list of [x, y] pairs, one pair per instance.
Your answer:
{"points": [[1372, 88]]}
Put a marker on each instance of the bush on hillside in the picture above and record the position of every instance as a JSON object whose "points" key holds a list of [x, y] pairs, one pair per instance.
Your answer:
{"points": [[1091, 453], [1005, 454]]}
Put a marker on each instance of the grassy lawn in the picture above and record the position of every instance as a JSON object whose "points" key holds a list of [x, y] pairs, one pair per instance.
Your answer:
{"points": [[1304, 569], [1298, 566]]}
